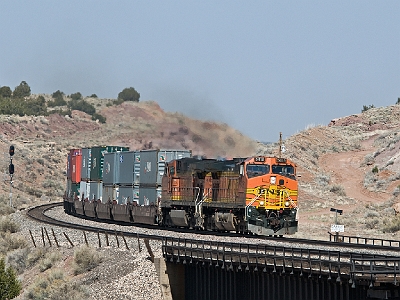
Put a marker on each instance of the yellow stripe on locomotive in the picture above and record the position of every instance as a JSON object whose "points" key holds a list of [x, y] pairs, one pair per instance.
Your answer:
{"points": [[272, 197]]}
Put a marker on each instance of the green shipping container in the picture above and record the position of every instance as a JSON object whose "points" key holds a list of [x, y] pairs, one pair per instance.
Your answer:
{"points": [[73, 189], [97, 160]]}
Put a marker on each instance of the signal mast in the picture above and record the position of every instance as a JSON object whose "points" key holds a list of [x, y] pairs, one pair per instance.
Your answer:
{"points": [[11, 170]]}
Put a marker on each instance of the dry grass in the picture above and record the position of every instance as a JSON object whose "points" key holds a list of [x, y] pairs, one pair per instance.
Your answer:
{"points": [[8, 225], [54, 285], [86, 259]]}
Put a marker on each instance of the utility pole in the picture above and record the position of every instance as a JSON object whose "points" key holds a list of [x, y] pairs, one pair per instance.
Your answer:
{"points": [[11, 171]]}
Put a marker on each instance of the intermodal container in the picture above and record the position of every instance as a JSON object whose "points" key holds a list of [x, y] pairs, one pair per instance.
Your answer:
{"points": [[136, 168], [85, 189], [110, 193], [125, 194], [126, 162], [86, 161], [149, 195], [118, 168], [96, 190], [111, 167], [152, 164], [73, 189], [97, 160], [69, 166], [75, 165], [136, 191]]}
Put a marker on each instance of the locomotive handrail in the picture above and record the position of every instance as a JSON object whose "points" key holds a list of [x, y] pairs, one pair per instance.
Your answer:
{"points": [[199, 207], [198, 203], [195, 200], [248, 205]]}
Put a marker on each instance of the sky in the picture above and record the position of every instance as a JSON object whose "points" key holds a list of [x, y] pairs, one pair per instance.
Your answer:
{"points": [[262, 67]]}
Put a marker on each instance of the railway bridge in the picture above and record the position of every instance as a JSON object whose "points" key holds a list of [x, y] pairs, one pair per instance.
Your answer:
{"points": [[218, 270]]}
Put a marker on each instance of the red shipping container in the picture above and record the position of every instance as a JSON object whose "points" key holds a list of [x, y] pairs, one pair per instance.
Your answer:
{"points": [[76, 165]]}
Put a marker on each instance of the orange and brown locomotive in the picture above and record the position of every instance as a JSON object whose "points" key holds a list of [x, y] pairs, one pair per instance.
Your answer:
{"points": [[253, 195]]}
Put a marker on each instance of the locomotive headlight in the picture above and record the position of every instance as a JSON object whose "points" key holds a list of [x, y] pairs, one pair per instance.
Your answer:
{"points": [[261, 203], [287, 203], [273, 180]]}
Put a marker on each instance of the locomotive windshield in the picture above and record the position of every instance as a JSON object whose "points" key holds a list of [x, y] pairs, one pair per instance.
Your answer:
{"points": [[285, 170], [257, 170]]}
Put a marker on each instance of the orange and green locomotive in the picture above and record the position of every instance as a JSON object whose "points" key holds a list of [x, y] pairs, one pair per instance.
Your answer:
{"points": [[249, 195]]}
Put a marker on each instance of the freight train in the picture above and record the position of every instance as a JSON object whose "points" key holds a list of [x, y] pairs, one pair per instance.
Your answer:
{"points": [[171, 188]]}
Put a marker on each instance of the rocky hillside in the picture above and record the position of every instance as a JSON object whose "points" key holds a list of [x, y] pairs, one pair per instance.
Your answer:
{"points": [[352, 164], [41, 143]]}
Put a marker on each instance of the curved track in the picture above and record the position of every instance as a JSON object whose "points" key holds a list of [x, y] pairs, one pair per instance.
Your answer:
{"points": [[38, 213]]}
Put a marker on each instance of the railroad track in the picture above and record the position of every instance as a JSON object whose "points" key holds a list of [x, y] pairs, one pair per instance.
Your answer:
{"points": [[38, 213]]}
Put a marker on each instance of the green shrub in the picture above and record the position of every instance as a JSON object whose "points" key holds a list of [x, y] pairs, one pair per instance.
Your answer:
{"points": [[99, 117], [55, 286], [371, 223], [5, 91], [10, 287], [59, 101], [18, 259], [117, 102], [322, 179], [367, 107], [69, 291], [48, 261], [393, 225], [23, 90], [35, 255], [76, 96], [8, 225], [10, 242], [338, 190], [369, 159], [81, 105], [86, 259], [57, 94], [129, 94], [62, 112], [375, 170], [5, 209]]}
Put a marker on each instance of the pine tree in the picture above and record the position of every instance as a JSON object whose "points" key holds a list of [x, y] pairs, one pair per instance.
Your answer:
{"points": [[10, 287]]}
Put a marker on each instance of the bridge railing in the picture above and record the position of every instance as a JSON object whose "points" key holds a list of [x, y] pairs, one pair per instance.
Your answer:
{"points": [[237, 257], [363, 240]]}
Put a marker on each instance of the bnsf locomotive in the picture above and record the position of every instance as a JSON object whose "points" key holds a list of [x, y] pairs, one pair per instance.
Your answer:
{"points": [[248, 195]]}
